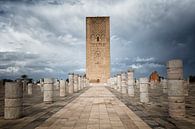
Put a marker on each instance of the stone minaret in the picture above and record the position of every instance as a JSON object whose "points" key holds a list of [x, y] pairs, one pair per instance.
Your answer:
{"points": [[97, 49]]}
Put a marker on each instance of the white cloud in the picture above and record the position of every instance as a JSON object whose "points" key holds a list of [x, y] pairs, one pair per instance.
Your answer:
{"points": [[136, 66], [148, 59]]}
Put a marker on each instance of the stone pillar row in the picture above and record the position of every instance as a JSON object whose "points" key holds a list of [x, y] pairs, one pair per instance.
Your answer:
{"points": [[76, 82], [174, 85], [13, 108], [123, 82]]}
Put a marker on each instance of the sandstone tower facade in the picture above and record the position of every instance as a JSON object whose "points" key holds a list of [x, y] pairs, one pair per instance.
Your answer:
{"points": [[97, 49]]}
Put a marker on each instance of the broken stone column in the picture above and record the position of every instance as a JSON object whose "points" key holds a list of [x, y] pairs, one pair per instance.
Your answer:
{"points": [[176, 93], [115, 82], [153, 84], [71, 82], [56, 84], [186, 87], [119, 82], [75, 82], [48, 92], [130, 82], [164, 85], [13, 100], [30, 88], [124, 83], [111, 82], [144, 98], [62, 88], [25, 84], [41, 84], [79, 82], [137, 84], [188, 81], [82, 82], [67, 87], [87, 82], [175, 70]]}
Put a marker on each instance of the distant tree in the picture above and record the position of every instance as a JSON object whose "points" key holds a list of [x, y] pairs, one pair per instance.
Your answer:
{"points": [[24, 76], [192, 78], [67, 80]]}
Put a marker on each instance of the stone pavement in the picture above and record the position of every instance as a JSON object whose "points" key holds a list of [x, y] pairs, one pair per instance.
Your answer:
{"points": [[96, 108]]}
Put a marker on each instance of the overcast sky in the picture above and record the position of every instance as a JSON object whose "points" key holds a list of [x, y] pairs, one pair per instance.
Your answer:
{"points": [[46, 38]]}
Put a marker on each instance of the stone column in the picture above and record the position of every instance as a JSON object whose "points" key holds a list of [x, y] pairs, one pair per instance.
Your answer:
{"points": [[124, 83], [30, 88], [13, 100], [56, 84], [164, 85], [62, 88], [188, 81], [84, 81], [71, 82], [110, 81], [186, 88], [130, 82], [75, 82], [137, 84], [48, 92], [152, 84], [115, 82], [144, 98], [41, 84], [79, 82], [67, 87], [119, 83], [176, 93], [25, 84]]}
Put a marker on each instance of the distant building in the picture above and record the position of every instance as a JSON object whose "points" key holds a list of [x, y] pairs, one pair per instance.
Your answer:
{"points": [[154, 77]]}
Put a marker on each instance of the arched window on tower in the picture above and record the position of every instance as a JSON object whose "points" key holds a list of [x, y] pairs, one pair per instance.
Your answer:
{"points": [[98, 39]]}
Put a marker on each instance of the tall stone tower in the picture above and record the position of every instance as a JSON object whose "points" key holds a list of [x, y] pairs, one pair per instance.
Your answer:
{"points": [[98, 49]]}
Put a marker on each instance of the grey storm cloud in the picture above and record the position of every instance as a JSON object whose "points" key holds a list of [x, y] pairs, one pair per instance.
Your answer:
{"points": [[47, 38]]}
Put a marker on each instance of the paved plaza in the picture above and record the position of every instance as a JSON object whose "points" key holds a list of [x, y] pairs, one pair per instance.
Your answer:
{"points": [[96, 108]]}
